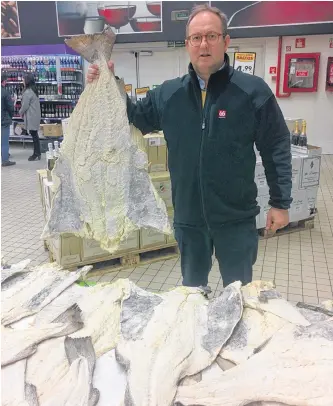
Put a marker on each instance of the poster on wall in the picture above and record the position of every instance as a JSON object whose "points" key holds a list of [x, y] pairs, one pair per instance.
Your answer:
{"points": [[127, 17], [245, 61], [10, 23]]}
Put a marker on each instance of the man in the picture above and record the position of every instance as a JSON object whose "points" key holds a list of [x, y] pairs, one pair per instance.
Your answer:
{"points": [[7, 112], [211, 119]]}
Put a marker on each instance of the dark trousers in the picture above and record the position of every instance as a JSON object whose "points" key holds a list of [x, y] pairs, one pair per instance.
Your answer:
{"points": [[36, 142], [236, 248]]}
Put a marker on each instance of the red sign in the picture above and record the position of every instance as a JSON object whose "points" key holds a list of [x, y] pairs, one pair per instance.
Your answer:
{"points": [[302, 73], [222, 113], [288, 48], [300, 43], [272, 70]]}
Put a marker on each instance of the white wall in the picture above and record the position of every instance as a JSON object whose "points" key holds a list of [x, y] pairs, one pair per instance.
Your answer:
{"points": [[316, 108]]}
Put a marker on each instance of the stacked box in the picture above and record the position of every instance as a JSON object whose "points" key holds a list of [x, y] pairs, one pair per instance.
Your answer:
{"points": [[305, 183], [156, 149]]}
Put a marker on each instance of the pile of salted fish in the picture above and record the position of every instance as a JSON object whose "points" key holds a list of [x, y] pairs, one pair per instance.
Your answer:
{"points": [[119, 345], [102, 187]]}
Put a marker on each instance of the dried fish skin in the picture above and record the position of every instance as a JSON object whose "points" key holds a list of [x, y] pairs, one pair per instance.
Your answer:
{"points": [[7, 273], [20, 344], [102, 188], [13, 383], [183, 335], [76, 388], [295, 368], [36, 291], [101, 307]]}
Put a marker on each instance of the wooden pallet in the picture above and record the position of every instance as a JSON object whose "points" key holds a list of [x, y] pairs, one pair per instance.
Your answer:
{"points": [[130, 259], [292, 227]]}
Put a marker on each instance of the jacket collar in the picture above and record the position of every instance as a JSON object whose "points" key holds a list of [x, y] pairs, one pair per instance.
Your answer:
{"points": [[222, 75]]}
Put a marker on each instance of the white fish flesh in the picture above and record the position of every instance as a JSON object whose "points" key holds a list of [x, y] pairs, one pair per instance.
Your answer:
{"points": [[294, 369], [76, 389], [13, 270], [20, 344], [13, 383], [42, 285], [101, 306], [110, 380], [169, 336], [263, 297], [254, 329], [102, 188]]}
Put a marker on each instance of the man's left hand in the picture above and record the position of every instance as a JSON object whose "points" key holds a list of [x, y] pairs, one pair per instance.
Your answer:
{"points": [[276, 219]]}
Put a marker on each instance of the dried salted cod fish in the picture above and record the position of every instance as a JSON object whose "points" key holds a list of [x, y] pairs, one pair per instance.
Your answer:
{"points": [[75, 388], [294, 369], [261, 295], [20, 344], [37, 290], [11, 272], [102, 188], [101, 306], [169, 336]]}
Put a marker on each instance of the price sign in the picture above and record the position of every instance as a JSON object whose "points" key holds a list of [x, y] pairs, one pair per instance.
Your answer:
{"points": [[128, 90], [141, 92], [245, 61]]}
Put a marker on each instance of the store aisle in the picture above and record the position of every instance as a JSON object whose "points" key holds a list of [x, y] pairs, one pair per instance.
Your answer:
{"points": [[301, 263]]}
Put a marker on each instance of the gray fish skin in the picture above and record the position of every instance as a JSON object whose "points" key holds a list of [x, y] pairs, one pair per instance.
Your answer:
{"points": [[31, 395], [13, 383], [103, 190], [20, 344], [295, 368], [182, 336], [13, 270]]}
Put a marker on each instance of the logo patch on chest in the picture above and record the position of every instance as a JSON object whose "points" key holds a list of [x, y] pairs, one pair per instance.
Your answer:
{"points": [[222, 113]]}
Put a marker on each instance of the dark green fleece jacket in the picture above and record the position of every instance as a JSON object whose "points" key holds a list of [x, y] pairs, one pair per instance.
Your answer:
{"points": [[210, 150]]}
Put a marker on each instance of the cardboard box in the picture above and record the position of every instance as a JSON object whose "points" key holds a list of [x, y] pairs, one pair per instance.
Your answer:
{"points": [[299, 209], [66, 249], [42, 174], [314, 151], [47, 195], [311, 197], [162, 183], [260, 179], [52, 130], [310, 172], [151, 238], [156, 150], [296, 171], [92, 249]]}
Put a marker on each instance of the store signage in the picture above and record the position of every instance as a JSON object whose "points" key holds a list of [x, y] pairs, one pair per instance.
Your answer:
{"points": [[180, 15], [288, 48], [300, 43], [141, 92], [245, 61], [302, 73], [272, 70], [128, 90], [176, 44]]}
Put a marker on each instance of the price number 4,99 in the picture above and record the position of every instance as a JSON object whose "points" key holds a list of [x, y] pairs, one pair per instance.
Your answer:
{"points": [[245, 68]]}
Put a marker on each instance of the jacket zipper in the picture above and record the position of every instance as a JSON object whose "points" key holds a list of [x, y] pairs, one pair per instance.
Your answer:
{"points": [[203, 128]]}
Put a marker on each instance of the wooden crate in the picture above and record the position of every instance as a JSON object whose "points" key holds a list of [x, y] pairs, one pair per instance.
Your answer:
{"points": [[292, 227]]}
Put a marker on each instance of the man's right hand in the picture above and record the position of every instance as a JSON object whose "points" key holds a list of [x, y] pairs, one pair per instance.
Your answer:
{"points": [[93, 71]]}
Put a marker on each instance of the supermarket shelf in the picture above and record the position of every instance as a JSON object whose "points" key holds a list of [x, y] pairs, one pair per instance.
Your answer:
{"points": [[42, 99], [44, 118], [76, 82]]}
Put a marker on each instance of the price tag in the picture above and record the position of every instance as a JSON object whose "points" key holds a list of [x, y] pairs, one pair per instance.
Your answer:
{"points": [[141, 92], [128, 90], [245, 61], [155, 142]]}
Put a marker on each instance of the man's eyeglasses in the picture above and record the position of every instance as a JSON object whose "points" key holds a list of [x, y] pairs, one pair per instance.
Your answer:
{"points": [[211, 37]]}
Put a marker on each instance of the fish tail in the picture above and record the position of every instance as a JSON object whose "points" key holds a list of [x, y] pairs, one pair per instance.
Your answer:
{"points": [[31, 394], [93, 47]]}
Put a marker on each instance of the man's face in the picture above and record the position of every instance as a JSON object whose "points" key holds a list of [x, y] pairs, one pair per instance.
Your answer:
{"points": [[207, 58]]}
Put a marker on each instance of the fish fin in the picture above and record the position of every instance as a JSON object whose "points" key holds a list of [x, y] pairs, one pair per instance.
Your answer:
{"points": [[73, 313], [92, 46], [93, 397], [224, 363], [31, 394], [314, 308]]}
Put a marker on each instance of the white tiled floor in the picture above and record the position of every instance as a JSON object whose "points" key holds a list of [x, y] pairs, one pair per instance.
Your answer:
{"points": [[300, 263]]}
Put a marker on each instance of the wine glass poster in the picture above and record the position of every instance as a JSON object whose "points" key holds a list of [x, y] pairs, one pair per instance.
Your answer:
{"points": [[124, 17], [10, 23]]}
